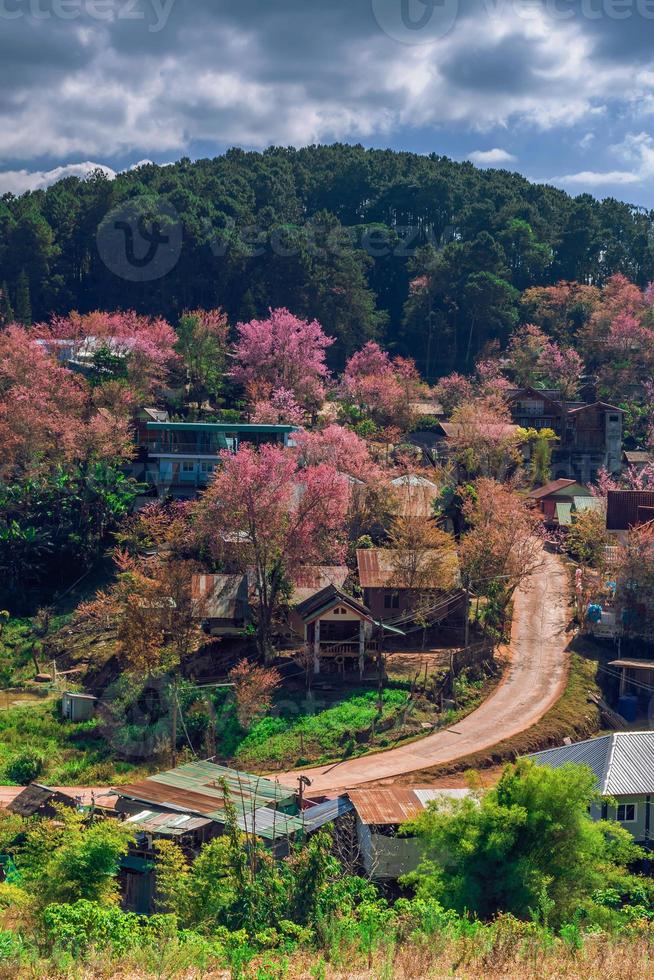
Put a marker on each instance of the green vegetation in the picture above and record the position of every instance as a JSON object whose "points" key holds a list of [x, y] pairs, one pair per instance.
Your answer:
{"points": [[36, 743], [520, 883], [352, 726], [481, 235], [527, 844]]}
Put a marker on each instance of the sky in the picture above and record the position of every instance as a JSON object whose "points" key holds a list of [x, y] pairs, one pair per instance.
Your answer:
{"points": [[561, 91]]}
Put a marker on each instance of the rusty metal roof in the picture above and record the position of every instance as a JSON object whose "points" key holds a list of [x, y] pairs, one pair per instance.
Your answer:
{"points": [[413, 496], [554, 486], [623, 508], [198, 788], [380, 568], [396, 804], [309, 579], [220, 596]]}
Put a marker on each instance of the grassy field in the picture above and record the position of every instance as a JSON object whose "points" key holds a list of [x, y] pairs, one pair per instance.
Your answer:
{"points": [[517, 953], [35, 743], [342, 724]]}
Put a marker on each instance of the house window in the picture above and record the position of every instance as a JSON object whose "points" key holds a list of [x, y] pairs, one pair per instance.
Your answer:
{"points": [[391, 600], [188, 466], [626, 813], [614, 418], [206, 467], [340, 611]]}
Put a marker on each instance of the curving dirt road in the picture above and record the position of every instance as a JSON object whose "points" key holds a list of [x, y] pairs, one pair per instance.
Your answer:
{"points": [[534, 679]]}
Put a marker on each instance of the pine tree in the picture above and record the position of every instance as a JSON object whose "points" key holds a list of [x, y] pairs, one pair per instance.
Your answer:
{"points": [[6, 311], [23, 303]]}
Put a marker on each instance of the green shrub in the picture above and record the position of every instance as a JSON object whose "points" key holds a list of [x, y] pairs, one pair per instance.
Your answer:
{"points": [[24, 768]]}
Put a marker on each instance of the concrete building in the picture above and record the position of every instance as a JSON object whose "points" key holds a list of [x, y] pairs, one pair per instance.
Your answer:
{"points": [[623, 764]]}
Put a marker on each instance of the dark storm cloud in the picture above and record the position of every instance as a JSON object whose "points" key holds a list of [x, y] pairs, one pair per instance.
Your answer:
{"points": [[104, 85]]}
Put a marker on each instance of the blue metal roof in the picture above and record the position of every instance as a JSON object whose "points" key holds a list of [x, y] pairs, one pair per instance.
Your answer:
{"points": [[317, 816]]}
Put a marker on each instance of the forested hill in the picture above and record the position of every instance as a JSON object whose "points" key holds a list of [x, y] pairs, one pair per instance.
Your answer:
{"points": [[339, 233]]}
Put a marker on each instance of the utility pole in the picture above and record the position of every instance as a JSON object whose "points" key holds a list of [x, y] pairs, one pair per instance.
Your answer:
{"points": [[466, 642], [173, 725]]}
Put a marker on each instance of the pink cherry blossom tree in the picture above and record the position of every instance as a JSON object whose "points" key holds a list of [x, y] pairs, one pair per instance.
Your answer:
{"points": [[283, 352], [341, 449], [48, 415], [279, 408], [262, 511], [452, 391], [383, 387], [146, 343]]}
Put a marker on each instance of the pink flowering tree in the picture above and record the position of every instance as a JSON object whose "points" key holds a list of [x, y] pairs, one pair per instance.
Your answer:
{"points": [[48, 415], [144, 345], [382, 387], [452, 391], [532, 359], [341, 449], [283, 352], [279, 408], [281, 517]]}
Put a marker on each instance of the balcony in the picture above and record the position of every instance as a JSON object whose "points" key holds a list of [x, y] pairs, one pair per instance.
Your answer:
{"points": [[209, 447]]}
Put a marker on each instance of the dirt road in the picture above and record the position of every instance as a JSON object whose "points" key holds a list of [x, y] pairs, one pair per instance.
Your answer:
{"points": [[534, 679]]}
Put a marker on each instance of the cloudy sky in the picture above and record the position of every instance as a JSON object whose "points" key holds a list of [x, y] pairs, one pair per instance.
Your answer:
{"points": [[559, 90]]}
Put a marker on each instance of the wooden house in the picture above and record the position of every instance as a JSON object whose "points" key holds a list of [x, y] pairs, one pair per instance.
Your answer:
{"points": [[557, 500], [223, 603], [393, 591], [339, 628], [589, 436]]}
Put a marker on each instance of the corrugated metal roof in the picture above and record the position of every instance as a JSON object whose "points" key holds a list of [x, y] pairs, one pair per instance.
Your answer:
{"points": [[222, 596], [196, 788], [98, 796], [429, 795], [414, 496], [396, 804], [412, 480], [246, 428], [552, 487], [636, 456], [330, 596], [380, 568], [309, 579], [623, 762], [317, 816], [168, 824], [623, 505], [267, 823]]}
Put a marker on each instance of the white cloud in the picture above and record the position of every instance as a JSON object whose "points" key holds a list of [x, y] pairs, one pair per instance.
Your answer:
{"points": [[19, 181], [491, 158], [595, 178]]}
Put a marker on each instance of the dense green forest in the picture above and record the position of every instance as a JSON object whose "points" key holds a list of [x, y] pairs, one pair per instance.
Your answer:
{"points": [[338, 232]]}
